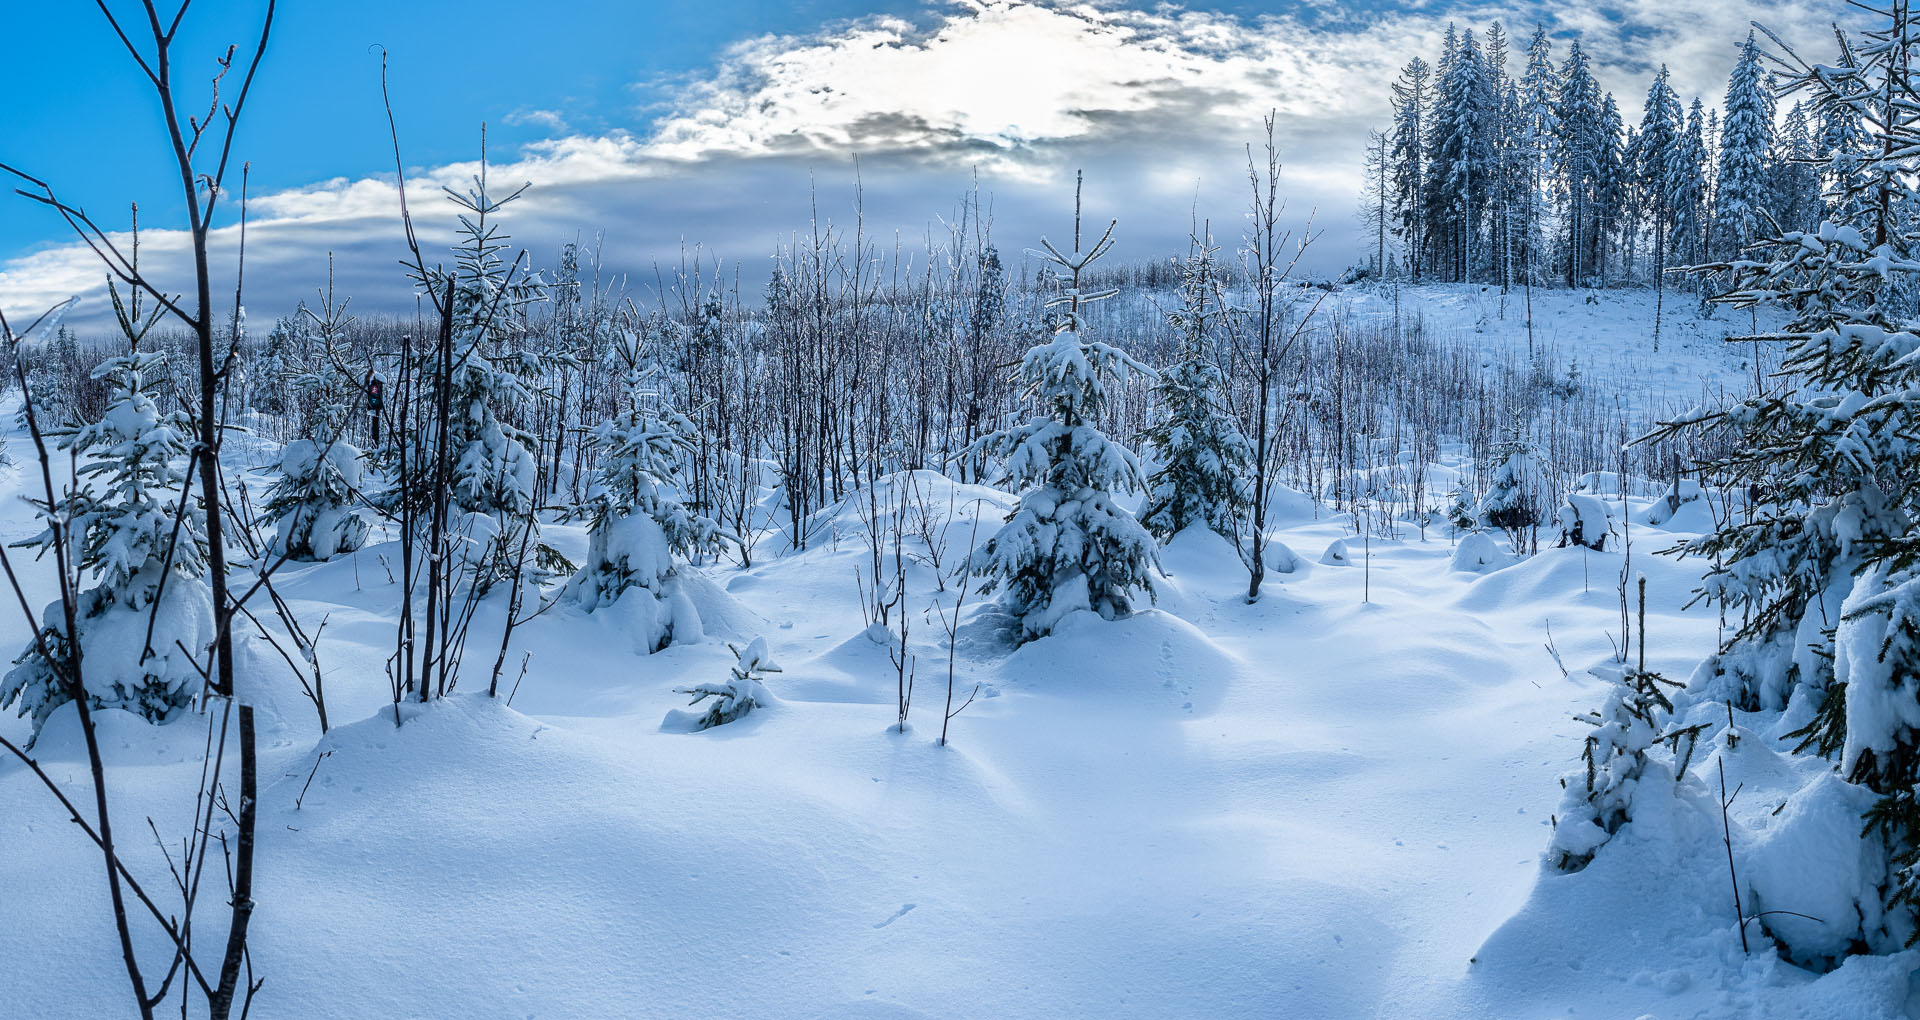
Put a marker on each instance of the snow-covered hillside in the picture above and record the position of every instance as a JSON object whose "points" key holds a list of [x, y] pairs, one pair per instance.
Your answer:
{"points": [[1335, 802]]}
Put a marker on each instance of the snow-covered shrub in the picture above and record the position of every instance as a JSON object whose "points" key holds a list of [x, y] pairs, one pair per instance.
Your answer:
{"points": [[320, 474], [742, 691], [638, 528], [312, 501], [1204, 460], [132, 540], [1463, 510], [1585, 520], [1684, 491], [1599, 799], [1068, 545]]}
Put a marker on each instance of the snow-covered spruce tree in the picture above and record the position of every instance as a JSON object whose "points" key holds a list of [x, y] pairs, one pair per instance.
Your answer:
{"points": [[281, 357], [1831, 454], [1613, 186], [492, 465], [54, 375], [312, 501], [1517, 489], [1661, 125], [1204, 459], [744, 689], [136, 542], [1685, 185], [1841, 151], [1877, 678], [1795, 200], [1578, 156], [1827, 451], [1538, 128], [1410, 101], [1463, 510], [1067, 545], [638, 530], [1459, 141]]}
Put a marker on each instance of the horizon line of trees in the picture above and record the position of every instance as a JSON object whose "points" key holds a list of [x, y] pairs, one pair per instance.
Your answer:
{"points": [[1536, 179]]}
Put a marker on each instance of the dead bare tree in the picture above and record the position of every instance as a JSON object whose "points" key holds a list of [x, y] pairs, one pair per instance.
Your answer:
{"points": [[950, 622], [63, 652], [1259, 347], [202, 185]]}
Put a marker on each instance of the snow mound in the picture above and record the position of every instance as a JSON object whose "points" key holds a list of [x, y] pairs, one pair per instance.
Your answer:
{"points": [[1667, 507], [1478, 553], [1149, 656], [720, 614], [1818, 822], [1281, 559], [935, 507], [1337, 554], [854, 672], [1580, 574]]}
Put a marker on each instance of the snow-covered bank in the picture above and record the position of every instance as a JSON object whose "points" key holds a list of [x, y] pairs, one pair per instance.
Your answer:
{"points": [[1331, 803]]}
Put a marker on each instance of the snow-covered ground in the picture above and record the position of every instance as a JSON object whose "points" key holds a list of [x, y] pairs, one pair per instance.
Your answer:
{"points": [[1331, 803]]}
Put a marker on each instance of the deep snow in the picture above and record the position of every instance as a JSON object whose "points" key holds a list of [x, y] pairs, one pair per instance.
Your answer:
{"points": [[1314, 806]]}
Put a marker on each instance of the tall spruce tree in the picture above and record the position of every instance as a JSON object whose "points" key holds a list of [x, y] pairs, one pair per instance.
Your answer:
{"points": [[1539, 126], [1460, 167], [1612, 187], [1662, 125], [1841, 151], [1795, 200], [1686, 187], [1580, 115], [1409, 157], [1067, 545], [1746, 146], [1502, 119], [1204, 459]]}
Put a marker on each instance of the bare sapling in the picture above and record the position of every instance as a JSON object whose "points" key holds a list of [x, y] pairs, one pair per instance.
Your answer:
{"points": [[950, 622]]}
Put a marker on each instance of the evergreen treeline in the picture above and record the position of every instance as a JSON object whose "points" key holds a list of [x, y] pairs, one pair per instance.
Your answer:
{"points": [[1536, 178]]}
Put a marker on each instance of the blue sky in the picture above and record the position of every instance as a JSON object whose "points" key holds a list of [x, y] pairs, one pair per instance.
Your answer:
{"points": [[721, 122], [80, 114]]}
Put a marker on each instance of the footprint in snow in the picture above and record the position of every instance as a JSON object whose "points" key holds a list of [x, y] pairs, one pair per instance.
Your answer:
{"points": [[897, 915]]}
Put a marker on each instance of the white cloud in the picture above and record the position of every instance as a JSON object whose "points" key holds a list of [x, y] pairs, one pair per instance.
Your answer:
{"points": [[1156, 105], [549, 119]]}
